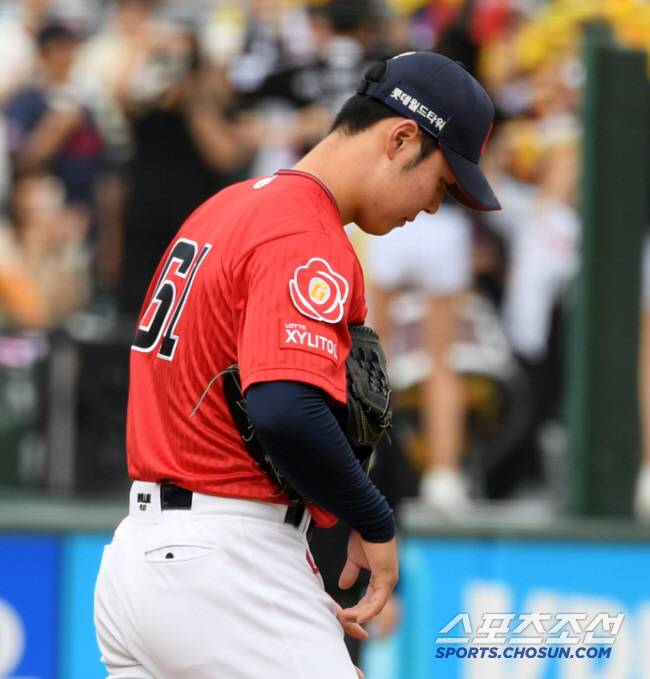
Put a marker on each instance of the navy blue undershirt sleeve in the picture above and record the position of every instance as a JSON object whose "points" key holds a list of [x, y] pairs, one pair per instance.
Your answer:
{"points": [[303, 438]]}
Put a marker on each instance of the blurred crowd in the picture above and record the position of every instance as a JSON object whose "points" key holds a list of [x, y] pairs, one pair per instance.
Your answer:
{"points": [[119, 117]]}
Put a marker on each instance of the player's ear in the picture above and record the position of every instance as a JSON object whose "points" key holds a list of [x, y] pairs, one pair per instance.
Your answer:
{"points": [[400, 134]]}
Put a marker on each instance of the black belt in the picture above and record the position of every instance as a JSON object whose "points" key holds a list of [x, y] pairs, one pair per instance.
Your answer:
{"points": [[175, 497]]}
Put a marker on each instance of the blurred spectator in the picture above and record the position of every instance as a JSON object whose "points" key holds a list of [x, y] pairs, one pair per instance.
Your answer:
{"points": [[276, 38], [433, 256], [276, 34], [189, 142], [534, 71], [102, 60], [221, 30], [18, 54], [352, 36], [537, 184], [298, 100], [479, 20], [50, 128], [44, 262], [103, 57], [18, 58]]}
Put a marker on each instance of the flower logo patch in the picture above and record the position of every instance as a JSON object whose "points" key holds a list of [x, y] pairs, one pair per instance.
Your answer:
{"points": [[318, 292]]}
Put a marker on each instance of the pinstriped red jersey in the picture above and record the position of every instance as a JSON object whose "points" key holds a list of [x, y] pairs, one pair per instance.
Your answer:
{"points": [[263, 275]]}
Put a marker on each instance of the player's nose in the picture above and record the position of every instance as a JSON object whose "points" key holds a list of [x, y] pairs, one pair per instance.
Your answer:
{"points": [[434, 204]]}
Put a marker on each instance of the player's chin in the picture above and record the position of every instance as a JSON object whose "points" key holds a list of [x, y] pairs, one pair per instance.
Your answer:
{"points": [[380, 227], [391, 224], [395, 225]]}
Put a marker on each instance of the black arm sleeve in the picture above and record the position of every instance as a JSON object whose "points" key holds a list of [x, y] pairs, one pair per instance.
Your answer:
{"points": [[301, 435]]}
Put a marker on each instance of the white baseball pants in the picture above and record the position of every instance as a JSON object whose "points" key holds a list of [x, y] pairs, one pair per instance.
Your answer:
{"points": [[224, 590]]}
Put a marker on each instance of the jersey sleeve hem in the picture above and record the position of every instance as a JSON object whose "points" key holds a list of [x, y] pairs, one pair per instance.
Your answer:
{"points": [[297, 375]]}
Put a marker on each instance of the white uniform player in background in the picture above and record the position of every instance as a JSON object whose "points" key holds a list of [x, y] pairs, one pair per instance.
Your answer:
{"points": [[432, 258]]}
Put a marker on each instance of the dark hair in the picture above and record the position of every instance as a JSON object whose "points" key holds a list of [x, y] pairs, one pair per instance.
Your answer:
{"points": [[56, 31], [361, 111]]}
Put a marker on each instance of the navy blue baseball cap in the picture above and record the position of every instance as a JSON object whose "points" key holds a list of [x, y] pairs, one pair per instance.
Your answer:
{"points": [[448, 103]]}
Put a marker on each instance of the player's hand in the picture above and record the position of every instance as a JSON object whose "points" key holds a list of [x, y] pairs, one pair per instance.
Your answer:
{"points": [[380, 558], [349, 625], [352, 628], [386, 622]]}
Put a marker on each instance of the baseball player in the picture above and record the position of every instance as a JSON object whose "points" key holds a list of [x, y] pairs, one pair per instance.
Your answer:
{"points": [[211, 575]]}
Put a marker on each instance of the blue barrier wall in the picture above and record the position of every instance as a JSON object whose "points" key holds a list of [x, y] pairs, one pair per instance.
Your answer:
{"points": [[46, 605], [79, 656], [47, 581], [29, 605], [442, 578]]}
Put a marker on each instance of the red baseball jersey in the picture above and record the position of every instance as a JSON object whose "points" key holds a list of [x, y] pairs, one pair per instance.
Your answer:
{"points": [[262, 275]]}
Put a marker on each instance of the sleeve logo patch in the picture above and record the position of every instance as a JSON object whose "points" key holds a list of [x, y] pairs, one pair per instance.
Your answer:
{"points": [[318, 292], [308, 338]]}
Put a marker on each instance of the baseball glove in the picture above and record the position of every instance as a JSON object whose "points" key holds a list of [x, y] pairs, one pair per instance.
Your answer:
{"points": [[236, 402], [369, 411], [365, 419]]}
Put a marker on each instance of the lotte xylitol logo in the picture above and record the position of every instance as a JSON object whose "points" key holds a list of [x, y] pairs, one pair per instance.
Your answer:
{"points": [[318, 292]]}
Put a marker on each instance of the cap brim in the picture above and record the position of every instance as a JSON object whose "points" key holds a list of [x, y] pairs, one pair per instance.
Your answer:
{"points": [[471, 188]]}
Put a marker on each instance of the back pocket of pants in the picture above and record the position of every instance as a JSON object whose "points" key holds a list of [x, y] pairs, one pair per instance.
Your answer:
{"points": [[177, 552]]}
